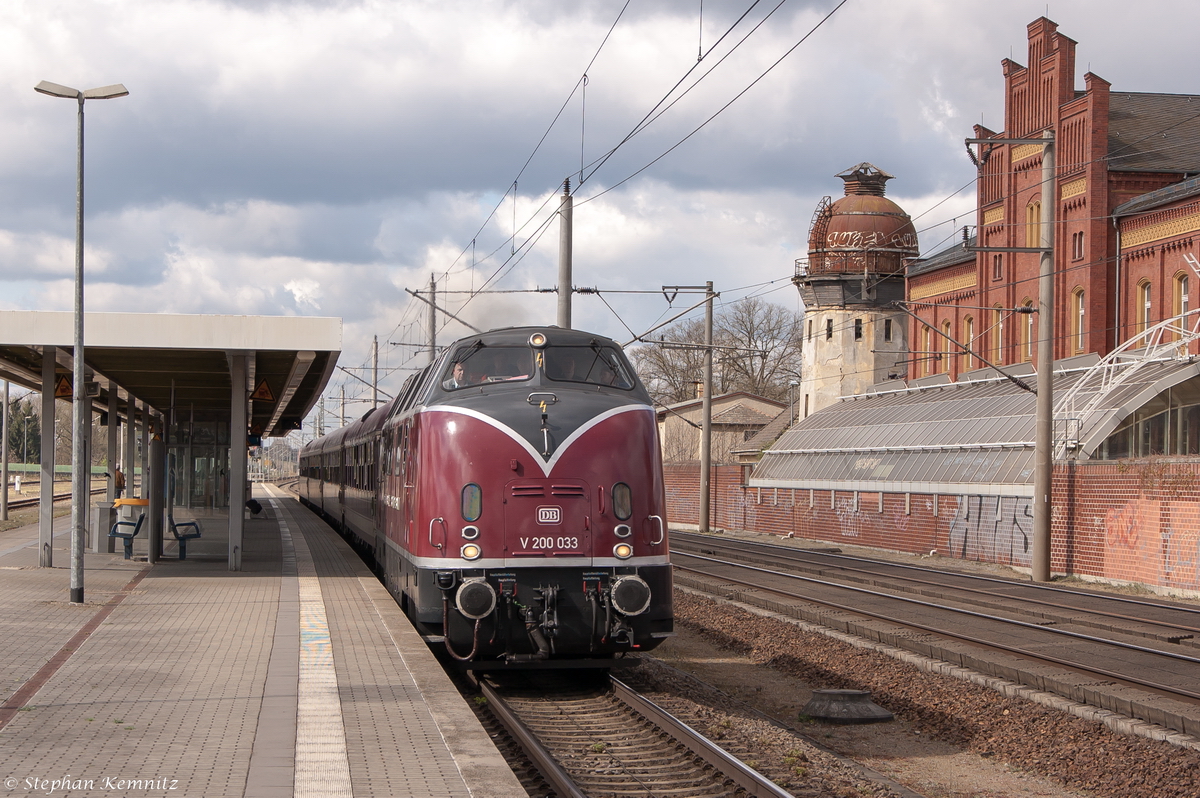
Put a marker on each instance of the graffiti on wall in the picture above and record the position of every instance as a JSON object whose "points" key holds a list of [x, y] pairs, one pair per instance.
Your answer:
{"points": [[993, 529], [1153, 541]]}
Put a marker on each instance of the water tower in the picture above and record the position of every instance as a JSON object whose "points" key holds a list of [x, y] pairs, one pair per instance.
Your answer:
{"points": [[858, 249]]}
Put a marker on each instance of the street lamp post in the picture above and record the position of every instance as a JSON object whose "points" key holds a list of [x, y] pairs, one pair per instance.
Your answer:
{"points": [[80, 415]]}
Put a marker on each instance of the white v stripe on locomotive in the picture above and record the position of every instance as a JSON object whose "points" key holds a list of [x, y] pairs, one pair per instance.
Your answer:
{"points": [[546, 466]]}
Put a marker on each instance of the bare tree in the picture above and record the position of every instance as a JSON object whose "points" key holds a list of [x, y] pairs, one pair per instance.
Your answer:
{"points": [[762, 353], [772, 335]]}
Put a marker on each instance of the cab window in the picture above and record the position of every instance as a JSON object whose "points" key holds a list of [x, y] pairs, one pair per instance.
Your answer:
{"points": [[476, 365], [594, 365]]}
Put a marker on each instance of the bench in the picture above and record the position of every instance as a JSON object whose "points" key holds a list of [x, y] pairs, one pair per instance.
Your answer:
{"points": [[127, 537], [183, 538]]}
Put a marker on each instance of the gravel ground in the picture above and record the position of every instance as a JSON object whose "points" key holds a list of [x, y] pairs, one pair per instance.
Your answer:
{"points": [[1042, 752], [784, 756]]}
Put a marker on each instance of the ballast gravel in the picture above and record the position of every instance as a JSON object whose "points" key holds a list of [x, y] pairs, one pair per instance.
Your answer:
{"points": [[1085, 757]]}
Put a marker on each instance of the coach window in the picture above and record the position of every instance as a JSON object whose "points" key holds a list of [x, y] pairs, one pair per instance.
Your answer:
{"points": [[594, 365]]}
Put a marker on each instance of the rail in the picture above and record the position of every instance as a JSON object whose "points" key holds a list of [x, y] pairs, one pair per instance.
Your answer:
{"points": [[649, 724], [33, 502]]}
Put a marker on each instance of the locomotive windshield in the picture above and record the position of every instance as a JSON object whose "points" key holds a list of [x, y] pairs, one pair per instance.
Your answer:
{"points": [[477, 364], [595, 365]]}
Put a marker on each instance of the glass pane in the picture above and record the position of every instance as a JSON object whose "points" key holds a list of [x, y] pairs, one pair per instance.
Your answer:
{"points": [[472, 502], [622, 499]]}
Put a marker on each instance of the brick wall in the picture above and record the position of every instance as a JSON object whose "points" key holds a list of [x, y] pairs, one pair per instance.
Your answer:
{"points": [[1130, 520]]}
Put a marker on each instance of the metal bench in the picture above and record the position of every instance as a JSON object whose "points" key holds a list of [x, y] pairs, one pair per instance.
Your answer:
{"points": [[183, 538], [127, 537]]}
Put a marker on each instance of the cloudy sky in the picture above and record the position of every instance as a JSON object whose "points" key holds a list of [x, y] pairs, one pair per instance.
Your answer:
{"points": [[318, 158]]}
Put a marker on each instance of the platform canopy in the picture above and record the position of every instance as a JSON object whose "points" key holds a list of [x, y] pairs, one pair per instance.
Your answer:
{"points": [[183, 361]]}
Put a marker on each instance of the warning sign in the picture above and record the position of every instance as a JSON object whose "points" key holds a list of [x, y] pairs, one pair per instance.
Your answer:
{"points": [[263, 393], [62, 388]]}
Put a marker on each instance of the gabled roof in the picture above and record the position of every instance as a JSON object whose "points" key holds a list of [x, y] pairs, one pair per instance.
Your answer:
{"points": [[952, 255], [1163, 196], [767, 435], [742, 416], [1153, 132], [725, 398]]}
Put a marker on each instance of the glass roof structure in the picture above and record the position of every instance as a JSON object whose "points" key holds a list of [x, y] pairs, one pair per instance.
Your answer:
{"points": [[973, 436]]}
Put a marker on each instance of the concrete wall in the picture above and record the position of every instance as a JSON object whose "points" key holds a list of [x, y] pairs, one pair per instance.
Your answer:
{"points": [[1129, 521]]}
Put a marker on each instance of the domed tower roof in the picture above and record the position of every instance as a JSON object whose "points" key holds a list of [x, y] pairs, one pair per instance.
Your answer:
{"points": [[862, 231]]}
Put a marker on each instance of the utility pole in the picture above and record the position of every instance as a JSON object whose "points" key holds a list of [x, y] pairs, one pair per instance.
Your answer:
{"points": [[374, 372], [321, 417], [706, 400], [565, 214], [706, 412], [4, 458], [1044, 438], [342, 415], [432, 318], [1043, 446]]}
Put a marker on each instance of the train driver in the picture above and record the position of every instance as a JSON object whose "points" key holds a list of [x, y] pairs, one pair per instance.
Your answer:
{"points": [[457, 378]]}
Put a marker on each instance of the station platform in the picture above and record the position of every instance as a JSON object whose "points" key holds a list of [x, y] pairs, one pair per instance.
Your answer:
{"points": [[298, 675]]}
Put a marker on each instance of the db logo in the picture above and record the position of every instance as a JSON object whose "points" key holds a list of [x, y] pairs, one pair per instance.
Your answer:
{"points": [[549, 515]]}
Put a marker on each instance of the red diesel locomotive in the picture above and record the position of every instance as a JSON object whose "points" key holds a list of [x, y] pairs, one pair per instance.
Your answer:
{"points": [[512, 499]]}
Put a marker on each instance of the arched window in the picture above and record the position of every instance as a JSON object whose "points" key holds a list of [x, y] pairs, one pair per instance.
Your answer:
{"points": [[1145, 305], [1027, 334], [1182, 302], [947, 346], [927, 353], [1033, 224], [1078, 320], [969, 340], [997, 347]]}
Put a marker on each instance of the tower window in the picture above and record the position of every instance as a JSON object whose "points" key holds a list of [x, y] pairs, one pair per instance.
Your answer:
{"points": [[828, 329], [887, 330], [858, 329]]}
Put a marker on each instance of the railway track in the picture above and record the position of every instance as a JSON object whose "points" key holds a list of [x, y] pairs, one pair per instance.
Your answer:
{"points": [[591, 735], [33, 502], [1131, 655]]}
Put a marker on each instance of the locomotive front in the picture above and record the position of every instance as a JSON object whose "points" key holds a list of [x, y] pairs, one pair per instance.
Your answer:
{"points": [[537, 530]]}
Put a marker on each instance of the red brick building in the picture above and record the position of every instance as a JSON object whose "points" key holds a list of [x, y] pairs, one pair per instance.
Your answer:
{"points": [[944, 460], [1125, 216]]}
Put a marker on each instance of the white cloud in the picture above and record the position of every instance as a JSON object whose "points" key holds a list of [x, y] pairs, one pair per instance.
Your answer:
{"points": [[321, 157]]}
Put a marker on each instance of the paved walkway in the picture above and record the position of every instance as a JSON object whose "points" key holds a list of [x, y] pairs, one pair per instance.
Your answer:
{"points": [[298, 675]]}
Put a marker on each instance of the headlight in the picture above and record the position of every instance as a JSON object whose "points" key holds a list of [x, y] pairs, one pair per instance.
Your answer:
{"points": [[537, 340], [470, 551], [623, 551]]}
